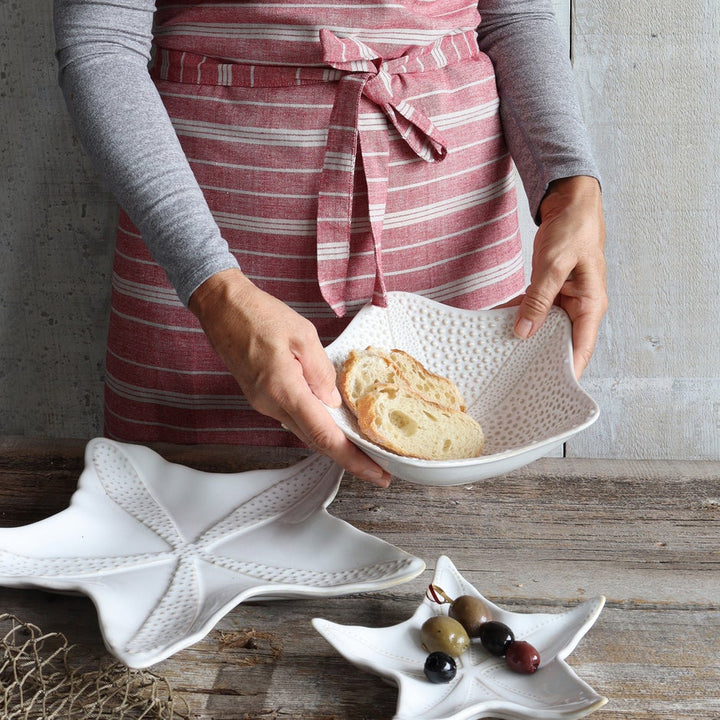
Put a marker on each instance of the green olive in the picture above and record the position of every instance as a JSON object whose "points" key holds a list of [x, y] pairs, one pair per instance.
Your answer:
{"points": [[441, 633], [470, 612]]}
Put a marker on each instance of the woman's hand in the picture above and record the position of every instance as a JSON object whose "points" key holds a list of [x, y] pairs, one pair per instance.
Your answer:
{"points": [[568, 265], [277, 359]]}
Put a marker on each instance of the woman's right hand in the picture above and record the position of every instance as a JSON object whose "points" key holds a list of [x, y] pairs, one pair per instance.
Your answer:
{"points": [[278, 361]]}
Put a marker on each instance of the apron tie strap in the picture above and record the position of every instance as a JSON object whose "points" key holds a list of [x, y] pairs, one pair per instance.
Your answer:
{"points": [[380, 81]]}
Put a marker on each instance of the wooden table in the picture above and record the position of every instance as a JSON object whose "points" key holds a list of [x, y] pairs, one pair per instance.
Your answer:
{"points": [[644, 534]]}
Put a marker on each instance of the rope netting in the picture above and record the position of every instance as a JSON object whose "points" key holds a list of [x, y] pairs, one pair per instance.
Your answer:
{"points": [[38, 682]]}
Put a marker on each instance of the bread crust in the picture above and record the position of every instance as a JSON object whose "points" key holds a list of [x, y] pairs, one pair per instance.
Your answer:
{"points": [[403, 407]]}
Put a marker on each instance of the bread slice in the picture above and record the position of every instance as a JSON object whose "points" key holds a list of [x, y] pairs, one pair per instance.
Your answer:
{"points": [[363, 368], [432, 387], [400, 420]]}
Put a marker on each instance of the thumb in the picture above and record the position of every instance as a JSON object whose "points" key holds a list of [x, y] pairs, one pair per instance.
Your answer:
{"points": [[320, 376], [534, 306]]}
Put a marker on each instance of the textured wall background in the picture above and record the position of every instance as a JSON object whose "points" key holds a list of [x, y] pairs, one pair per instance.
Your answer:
{"points": [[55, 243], [648, 77], [648, 73]]}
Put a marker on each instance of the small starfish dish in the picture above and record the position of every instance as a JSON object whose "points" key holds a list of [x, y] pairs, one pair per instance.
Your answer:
{"points": [[484, 686], [165, 551], [524, 393]]}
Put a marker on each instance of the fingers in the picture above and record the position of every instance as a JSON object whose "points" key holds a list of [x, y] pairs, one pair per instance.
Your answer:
{"points": [[319, 374], [584, 299], [316, 428], [310, 421], [280, 365], [287, 396], [586, 303], [584, 335], [535, 305], [301, 412]]}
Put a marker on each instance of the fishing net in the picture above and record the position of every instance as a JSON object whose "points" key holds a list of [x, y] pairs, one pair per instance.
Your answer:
{"points": [[38, 682]]}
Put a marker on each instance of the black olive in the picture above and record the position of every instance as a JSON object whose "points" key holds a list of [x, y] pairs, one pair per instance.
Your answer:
{"points": [[495, 637], [440, 667]]}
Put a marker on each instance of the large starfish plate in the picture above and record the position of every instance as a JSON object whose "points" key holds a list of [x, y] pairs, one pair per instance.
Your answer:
{"points": [[164, 551], [484, 686]]}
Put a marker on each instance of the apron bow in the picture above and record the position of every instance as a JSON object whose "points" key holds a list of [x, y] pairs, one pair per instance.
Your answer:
{"points": [[383, 82]]}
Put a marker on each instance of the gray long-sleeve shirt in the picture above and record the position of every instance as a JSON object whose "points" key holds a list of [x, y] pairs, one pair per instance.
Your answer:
{"points": [[103, 51]]}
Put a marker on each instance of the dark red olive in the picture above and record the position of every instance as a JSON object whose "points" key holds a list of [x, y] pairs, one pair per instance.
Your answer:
{"points": [[495, 637], [522, 657], [440, 667]]}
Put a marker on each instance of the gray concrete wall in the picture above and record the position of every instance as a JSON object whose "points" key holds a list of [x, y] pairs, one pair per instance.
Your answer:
{"points": [[55, 243], [648, 76]]}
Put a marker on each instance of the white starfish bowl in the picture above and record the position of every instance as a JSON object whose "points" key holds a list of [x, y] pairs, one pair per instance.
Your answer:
{"points": [[484, 686], [524, 393], [164, 551]]}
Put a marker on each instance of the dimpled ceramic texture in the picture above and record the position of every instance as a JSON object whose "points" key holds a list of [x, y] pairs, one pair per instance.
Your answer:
{"points": [[484, 687], [523, 393], [165, 551]]}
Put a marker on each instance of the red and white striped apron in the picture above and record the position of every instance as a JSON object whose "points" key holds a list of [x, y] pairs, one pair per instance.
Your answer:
{"points": [[345, 150]]}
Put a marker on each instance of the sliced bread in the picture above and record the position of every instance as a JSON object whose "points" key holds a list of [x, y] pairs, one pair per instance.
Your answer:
{"points": [[400, 420], [431, 386], [363, 368], [360, 371]]}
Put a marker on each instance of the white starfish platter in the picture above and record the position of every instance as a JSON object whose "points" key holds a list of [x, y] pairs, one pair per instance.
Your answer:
{"points": [[164, 551], [484, 686]]}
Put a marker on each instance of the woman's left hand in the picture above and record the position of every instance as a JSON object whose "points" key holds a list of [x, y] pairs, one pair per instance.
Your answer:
{"points": [[568, 265]]}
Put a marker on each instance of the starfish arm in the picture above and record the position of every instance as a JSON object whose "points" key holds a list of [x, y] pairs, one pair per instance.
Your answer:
{"points": [[261, 562], [304, 489], [71, 570], [554, 691], [173, 617], [387, 652], [124, 485], [273, 576], [556, 635]]}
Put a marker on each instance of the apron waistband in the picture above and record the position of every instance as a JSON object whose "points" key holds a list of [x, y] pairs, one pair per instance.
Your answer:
{"points": [[360, 73]]}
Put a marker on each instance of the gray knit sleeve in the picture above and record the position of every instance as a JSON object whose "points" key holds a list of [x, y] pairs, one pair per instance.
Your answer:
{"points": [[539, 104], [103, 51]]}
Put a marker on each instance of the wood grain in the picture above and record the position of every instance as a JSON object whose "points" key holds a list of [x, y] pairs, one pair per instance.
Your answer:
{"points": [[646, 534]]}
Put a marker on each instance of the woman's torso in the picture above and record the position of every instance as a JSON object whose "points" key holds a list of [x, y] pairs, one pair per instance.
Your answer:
{"points": [[258, 144]]}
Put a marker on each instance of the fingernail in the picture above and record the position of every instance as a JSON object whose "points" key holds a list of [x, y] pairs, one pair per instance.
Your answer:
{"points": [[376, 477], [523, 328], [335, 399]]}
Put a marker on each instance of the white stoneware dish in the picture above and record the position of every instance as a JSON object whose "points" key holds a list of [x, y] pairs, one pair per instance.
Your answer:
{"points": [[484, 687], [165, 551], [524, 393]]}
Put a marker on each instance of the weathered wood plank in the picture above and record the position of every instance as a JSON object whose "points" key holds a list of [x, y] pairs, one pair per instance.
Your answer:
{"points": [[645, 534]]}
